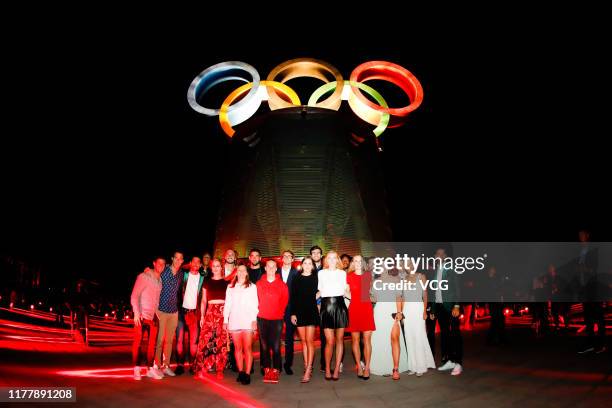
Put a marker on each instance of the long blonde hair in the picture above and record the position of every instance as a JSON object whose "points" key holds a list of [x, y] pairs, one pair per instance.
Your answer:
{"points": [[338, 262]]}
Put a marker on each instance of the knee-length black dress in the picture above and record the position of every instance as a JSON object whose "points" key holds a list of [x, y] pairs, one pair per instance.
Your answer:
{"points": [[304, 300]]}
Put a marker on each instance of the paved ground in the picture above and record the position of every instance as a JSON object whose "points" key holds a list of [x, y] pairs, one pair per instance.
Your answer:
{"points": [[528, 372]]}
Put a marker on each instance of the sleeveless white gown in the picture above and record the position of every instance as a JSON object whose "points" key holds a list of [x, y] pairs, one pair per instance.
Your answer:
{"points": [[381, 362], [420, 357]]}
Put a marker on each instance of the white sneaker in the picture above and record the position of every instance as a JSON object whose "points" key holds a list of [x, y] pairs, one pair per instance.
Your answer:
{"points": [[419, 374], [167, 371], [153, 372], [410, 372], [449, 365], [137, 375], [457, 370]]}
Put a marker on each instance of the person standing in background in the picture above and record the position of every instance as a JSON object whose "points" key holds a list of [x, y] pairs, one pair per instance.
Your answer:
{"points": [[496, 333], [229, 264], [206, 264], [592, 309], [255, 270], [346, 261]]}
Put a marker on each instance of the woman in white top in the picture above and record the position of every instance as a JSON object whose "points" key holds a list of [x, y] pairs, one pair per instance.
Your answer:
{"points": [[240, 319], [334, 315]]}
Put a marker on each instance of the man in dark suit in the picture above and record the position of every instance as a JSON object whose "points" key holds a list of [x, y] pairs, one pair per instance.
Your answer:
{"points": [[288, 272], [445, 308]]}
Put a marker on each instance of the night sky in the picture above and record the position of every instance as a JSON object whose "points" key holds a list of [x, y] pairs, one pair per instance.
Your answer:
{"points": [[109, 166]]}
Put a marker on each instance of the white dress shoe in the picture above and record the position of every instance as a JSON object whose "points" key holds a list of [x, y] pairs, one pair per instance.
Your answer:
{"points": [[449, 365]]}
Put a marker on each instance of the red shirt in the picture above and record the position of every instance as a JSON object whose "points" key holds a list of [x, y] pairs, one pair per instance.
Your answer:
{"points": [[273, 298]]}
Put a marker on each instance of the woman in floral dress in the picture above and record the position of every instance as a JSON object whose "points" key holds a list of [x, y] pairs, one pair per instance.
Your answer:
{"points": [[213, 344]]}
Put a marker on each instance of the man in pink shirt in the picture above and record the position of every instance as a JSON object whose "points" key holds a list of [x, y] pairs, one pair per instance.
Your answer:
{"points": [[145, 300]]}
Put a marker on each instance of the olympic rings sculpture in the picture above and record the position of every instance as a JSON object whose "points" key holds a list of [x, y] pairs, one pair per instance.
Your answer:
{"points": [[243, 102]]}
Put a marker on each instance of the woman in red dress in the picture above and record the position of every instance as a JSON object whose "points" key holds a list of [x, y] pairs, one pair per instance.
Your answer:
{"points": [[361, 314]]}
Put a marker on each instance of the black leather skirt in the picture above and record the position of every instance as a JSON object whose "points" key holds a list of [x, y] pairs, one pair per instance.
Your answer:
{"points": [[334, 314]]}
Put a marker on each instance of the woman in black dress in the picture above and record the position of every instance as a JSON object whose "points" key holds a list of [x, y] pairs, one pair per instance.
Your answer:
{"points": [[304, 311]]}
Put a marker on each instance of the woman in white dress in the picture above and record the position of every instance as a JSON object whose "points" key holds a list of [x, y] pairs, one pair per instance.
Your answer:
{"points": [[388, 347], [420, 357]]}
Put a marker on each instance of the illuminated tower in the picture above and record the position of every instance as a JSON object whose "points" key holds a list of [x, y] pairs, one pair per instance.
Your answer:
{"points": [[304, 174]]}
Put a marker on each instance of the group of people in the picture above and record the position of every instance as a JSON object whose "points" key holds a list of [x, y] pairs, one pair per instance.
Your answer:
{"points": [[215, 308]]}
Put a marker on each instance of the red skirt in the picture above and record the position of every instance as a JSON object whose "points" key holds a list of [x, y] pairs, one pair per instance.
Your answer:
{"points": [[361, 316]]}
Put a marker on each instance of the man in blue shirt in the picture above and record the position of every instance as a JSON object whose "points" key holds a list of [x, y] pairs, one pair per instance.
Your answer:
{"points": [[167, 313]]}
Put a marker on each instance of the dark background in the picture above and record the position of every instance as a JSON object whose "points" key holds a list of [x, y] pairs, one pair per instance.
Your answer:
{"points": [[107, 165]]}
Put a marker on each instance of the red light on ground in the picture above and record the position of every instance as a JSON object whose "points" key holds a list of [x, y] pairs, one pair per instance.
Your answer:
{"points": [[105, 314], [99, 373], [114, 312], [39, 303], [507, 311], [11, 305], [50, 309], [32, 307], [461, 317], [526, 309], [233, 397]]}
